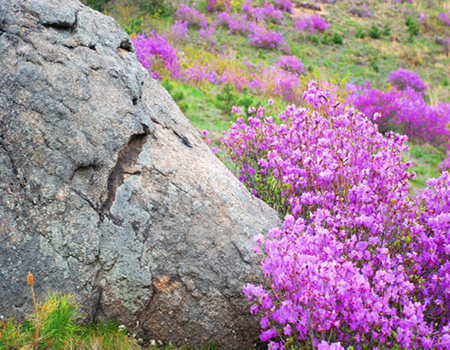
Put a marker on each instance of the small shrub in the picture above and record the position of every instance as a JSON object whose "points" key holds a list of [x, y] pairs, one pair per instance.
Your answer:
{"points": [[360, 33], [403, 78], [337, 39], [373, 60], [134, 27], [261, 37], [226, 99], [413, 27], [192, 16], [236, 23], [157, 55], [156, 8], [311, 24], [444, 18], [315, 39], [180, 30], [374, 32], [291, 64], [386, 30]]}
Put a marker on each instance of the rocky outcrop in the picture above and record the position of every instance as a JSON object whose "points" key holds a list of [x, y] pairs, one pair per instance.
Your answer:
{"points": [[106, 190]]}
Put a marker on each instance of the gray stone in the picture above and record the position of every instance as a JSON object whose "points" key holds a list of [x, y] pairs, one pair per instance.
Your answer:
{"points": [[106, 190]]}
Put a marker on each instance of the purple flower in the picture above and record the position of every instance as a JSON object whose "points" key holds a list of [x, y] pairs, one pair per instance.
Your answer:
{"points": [[269, 334]]}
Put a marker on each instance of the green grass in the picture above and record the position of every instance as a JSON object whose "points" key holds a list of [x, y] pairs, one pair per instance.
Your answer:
{"points": [[425, 159], [59, 330]]}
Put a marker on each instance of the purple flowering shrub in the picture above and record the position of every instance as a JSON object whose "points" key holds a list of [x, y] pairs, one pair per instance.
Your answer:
{"points": [[405, 112], [285, 5], [401, 78], [260, 14], [157, 55], [192, 16], [360, 10], [291, 64], [311, 24], [444, 18], [235, 23], [180, 30], [260, 36], [357, 262]]}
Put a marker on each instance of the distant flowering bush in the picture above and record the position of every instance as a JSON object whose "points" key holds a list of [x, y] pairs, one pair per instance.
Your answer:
{"points": [[261, 37], [359, 10], [192, 16], [357, 263], [291, 64], [311, 24], [180, 30], [157, 55], [236, 23], [422, 17], [401, 78], [405, 111], [445, 18], [285, 5], [260, 14], [206, 35]]}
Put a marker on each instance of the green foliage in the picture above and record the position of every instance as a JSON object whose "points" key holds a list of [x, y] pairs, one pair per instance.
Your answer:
{"points": [[386, 30], [374, 32], [246, 100], [315, 39], [337, 39], [360, 33], [413, 27], [135, 26], [13, 336], [373, 60], [57, 321], [228, 97], [425, 159], [108, 336], [98, 5], [155, 8], [59, 331]]}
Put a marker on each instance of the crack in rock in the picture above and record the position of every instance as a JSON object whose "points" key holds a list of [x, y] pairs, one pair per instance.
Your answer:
{"points": [[126, 164]]}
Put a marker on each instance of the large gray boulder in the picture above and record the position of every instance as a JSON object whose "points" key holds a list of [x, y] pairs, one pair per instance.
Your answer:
{"points": [[106, 190]]}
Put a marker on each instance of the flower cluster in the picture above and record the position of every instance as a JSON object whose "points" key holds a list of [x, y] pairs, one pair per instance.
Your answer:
{"points": [[311, 24], [357, 261], [445, 18], [404, 111], [192, 16], [359, 10], [260, 36], [285, 5], [402, 78], [260, 14], [291, 64], [180, 30], [236, 23], [157, 55]]}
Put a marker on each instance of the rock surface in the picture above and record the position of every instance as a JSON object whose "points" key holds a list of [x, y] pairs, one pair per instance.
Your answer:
{"points": [[106, 190]]}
